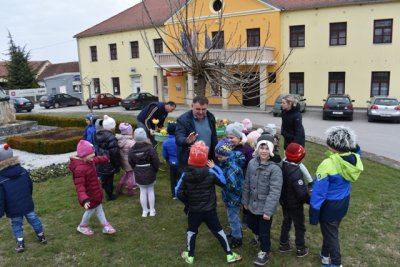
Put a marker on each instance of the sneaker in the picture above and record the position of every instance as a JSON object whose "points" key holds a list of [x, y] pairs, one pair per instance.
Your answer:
{"points": [[284, 247], [235, 242], [262, 258], [108, 229], [152, 213], [41, 238], [301, 252], [324, 260], [20, 246], [234, 257], [85, 229], [187, 258], [145, 213]]}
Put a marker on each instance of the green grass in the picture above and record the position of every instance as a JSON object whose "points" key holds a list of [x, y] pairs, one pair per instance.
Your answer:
{"points": [[369, 234]]}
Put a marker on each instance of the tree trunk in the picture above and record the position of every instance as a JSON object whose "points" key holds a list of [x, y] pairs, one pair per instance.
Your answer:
{"points": [[7, 113]]}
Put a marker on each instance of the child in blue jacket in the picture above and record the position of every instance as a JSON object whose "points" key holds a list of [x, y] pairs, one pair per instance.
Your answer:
{"points": [[170, 154], [16, 197], [90, 129]]}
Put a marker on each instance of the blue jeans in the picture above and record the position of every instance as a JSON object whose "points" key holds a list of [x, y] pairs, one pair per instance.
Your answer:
{"points": [[234, 221], [33, 220]]}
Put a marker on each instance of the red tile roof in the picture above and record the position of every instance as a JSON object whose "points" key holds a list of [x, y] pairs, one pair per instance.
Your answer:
{"points": [[135, 17], [36, 66], [60, 68], [310, 4]]}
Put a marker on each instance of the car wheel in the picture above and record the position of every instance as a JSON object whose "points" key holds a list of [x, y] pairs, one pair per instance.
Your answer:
{"points": [[370, 119], [101, 106], [46, 107], [29, 110], [275, 114], [56, 105], [304, 110], [350, 118], [127, 108], [78, 103], [324, 117]]}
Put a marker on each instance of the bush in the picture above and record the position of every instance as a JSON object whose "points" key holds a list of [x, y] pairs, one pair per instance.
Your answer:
{"points": [[57, 141], [52, 120]]}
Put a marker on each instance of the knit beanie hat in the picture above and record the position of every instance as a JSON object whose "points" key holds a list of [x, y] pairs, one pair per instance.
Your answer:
{"points": [[84, 148], [5, 152], [125, 128], [236, 129], [108, 123], [247, 124], [270, 128], [92, 118], [266, 136], [264, 142], [171, 128], [253, 136], [295, 153], [223, 147], [198, 155], [140, 135], [341, 138]]}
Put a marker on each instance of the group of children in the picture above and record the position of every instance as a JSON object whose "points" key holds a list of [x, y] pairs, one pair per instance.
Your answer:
{"points": [[248, 168]]}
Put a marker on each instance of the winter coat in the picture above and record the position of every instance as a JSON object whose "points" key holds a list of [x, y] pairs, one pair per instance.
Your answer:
{"points": [[196, 188], [170, 151], [292, 127], [185, 126], [87, 184], [294, 191], [155, 110], [125, 143], [107, 145], [331, 191], [262, 187], [145, 163], [232, 192], [247, 152], [89, 133], [15, 189]]}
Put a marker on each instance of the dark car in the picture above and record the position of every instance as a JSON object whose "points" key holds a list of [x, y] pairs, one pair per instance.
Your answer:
{"points": [[277, 109], [103, 100], [21, 104], [138, 100], [383, 108], [3, 95], [338, 106], [59, 100]]}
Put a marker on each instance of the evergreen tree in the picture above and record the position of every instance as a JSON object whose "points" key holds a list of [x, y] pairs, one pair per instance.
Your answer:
{"points": [[20, 74]]}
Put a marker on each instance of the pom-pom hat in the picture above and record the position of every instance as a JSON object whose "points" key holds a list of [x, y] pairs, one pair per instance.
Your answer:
{"points": [[198, 155], [84, 148], [108, 123], [295, 153], [5, 152], [223, 147], [125, 128]]}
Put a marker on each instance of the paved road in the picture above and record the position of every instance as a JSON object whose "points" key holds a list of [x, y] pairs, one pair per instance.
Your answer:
{"points": [[378, 138]]}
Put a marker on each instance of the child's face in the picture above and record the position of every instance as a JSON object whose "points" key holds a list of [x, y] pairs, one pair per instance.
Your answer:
{"points": [[87, 121], [89, 157], [233, 139], [263, 152], [222, 158]]}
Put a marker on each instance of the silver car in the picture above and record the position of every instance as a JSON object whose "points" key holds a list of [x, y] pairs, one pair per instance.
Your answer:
{"points": [[383, 108]]}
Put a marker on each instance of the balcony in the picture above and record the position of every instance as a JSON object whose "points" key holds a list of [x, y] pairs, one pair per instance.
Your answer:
{"points": [[231, 56]]}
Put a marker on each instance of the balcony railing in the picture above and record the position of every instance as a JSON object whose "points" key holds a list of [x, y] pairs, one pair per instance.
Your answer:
{"points": [[231, 56]]}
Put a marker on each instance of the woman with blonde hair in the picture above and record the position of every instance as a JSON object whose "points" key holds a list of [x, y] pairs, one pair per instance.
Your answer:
{"points": [[292, 127]]}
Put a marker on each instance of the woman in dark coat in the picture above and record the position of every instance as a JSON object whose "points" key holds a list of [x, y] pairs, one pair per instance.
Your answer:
{"points": [[292, 127]]}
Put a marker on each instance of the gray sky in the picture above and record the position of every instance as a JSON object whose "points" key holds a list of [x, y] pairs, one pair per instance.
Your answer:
{"points": [[47, 27]]}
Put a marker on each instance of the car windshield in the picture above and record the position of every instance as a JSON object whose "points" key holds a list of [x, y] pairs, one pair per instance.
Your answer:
{"points": [[134, 95], [386, 102], [44, 98], [338, 100]]}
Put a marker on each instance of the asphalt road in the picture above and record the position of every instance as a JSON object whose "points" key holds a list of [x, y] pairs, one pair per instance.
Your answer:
{"points": [[381, 139]]}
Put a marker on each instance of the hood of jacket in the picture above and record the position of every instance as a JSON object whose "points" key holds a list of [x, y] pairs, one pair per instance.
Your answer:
{"points": [[196, 175], [4, 164], [75, 162], [350, 171]]}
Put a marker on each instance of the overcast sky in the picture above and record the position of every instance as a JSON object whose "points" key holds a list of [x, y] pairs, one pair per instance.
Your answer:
{"points": [[47, 27]]}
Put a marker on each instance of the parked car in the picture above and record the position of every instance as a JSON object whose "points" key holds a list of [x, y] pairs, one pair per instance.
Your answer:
{"points": [[3, 95], [59, 100], [21, 104], [276, 110], [103, 100], [138, 100], [338, 106], [383, 108]]}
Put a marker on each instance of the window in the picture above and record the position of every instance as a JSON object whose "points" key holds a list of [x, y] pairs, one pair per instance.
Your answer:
{"points": [[113, 51], [115, 84], [296, 83], [93, 53], [336, 83], [383, 31], [338, 33], [96, 85], [158, 46], [297, 36], [253, 37], [135, 49], [77, 88], [165, 85], [218, 39], [380, 83]]}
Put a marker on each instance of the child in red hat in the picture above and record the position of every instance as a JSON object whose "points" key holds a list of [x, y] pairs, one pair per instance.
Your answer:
{"points": [[196, 189]]}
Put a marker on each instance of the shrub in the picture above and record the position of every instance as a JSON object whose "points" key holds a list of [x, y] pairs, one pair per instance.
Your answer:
{"points": [[57, 141], [52, 120]]}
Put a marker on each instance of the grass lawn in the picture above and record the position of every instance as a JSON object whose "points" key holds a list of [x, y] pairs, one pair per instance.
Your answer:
{"points": [[370, 233]]}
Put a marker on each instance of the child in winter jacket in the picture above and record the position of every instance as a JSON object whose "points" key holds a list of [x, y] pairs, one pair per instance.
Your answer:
{"points": [[90, 129], [16, 197], [196, 189], [232, 192], [293, 196], [125, 142], [144, 160], [260, 196], [88, 189], [331, 193], [107, 145], [170, 154]]}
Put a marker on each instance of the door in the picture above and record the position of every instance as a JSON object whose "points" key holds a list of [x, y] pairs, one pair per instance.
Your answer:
{"points": [[251, 90], [136, 85]]}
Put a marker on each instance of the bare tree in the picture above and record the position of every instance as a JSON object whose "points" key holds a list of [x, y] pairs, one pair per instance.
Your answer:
{"points": [[225, 64]]}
